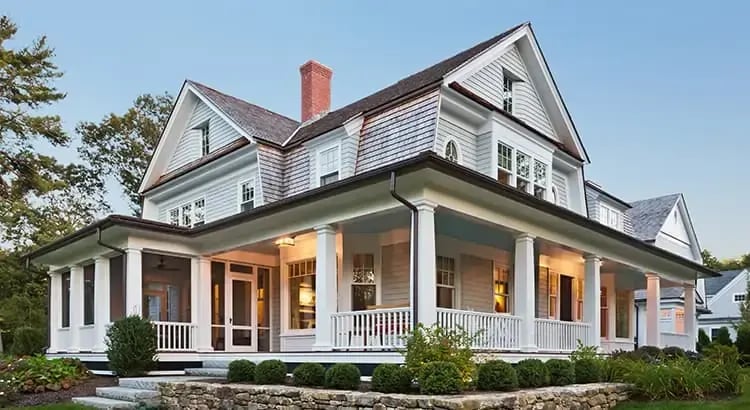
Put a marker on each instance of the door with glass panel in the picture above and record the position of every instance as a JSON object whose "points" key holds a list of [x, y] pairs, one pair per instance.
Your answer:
{"points": [[242, 321]]}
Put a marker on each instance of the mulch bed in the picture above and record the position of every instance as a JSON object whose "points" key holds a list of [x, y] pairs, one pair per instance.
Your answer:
{"points": [[87, 388]]}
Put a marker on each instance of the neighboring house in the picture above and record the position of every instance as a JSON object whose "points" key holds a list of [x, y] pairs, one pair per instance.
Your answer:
{"points": [[454, 196], [725, 295]]}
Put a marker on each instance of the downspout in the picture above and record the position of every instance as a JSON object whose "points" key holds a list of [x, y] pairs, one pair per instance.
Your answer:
{"points": [[415, 249], [635, 339]]}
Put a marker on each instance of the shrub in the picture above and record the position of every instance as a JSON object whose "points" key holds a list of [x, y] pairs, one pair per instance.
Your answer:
{"points": [[241, 371], [439, 378], [36, 374], [28, 341], [561, 372], [743, 339], [391, 378], [497, 375], [651, 354], [270, 372], [8, 393], [673, 352], [532, 373], [131, 346], [309, 374], [588, 371], [723, 337], [703, 340], [726, 360], [437, 344], [584, 352], [343, 376]]}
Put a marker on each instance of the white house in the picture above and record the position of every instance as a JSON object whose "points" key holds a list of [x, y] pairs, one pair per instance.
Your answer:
{"points": [[725, 295], [454, 196]]}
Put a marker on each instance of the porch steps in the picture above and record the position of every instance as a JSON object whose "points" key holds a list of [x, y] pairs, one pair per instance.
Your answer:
{"points": [[133, 392], [126, 394], [104, 403], [208, 371]]}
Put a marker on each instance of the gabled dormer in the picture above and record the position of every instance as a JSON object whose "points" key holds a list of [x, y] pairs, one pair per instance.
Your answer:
{"points": [[665, 222], [608, 209]]}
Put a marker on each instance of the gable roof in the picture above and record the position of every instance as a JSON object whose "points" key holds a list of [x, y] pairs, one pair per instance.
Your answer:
{"points": [[648, 215], [716, 284], [673, 292]]}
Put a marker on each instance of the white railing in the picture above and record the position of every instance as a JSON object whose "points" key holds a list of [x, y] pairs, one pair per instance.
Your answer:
{"points": [[175, 336], [609, 346], [676, 339], [559, 336], [371, 329], [491, 331]]}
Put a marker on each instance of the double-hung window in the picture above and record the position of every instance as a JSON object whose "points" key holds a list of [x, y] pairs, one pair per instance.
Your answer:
{"points": [[622, 314], [507, 93], [205, 140], [523, 171], [553, 285], [328, 165], [446, 282], [609, 216], [540, 179], [186, 215], [199, 212], [65, 296], [191, 214], [174, 216], [603, 313], [579, 299], [363, 281], [302, 294], [501, 289], [504, 163], [247, 195]]}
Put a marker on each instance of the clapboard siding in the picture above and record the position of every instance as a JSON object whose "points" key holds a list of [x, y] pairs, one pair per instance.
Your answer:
{"points": [[395, 274], [476, 284], [220, 133], [464, 139], [271, 165], [484, 154], [592, 202], [349, 147], [297, 175], [488, 83], [398, 133], [560, 182]]}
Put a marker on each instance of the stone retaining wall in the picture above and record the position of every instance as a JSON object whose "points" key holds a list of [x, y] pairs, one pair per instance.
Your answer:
{"points": [[203, 396]]}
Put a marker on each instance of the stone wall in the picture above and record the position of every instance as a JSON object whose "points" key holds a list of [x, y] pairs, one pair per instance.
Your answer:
{"points": [[197, 395]]}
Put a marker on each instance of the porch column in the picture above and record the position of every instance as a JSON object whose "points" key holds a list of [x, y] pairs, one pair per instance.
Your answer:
{"points": [[55, 312], [426, 305], [653, 309], [200, 276], [591, 298], [524, 292], [690, 319], [325, 286], [101, 301], [76, 307], [133, 282]]}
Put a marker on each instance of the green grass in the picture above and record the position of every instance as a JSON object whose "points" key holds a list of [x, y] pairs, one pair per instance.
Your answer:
{"points": [[737, 403]]}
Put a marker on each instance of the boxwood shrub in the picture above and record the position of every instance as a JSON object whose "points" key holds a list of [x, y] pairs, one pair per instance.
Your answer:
{"points": [[344, 376], [497, 375], [309, 374], [391, 378], [439, 378], [131, 346], [588, 371], [561, 372], [532, 373], [270, 372], [241, 371], [28, 341]]}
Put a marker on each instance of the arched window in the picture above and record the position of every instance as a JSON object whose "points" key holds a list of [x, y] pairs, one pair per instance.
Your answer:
{"points": [[554, 195], [451, 151]]}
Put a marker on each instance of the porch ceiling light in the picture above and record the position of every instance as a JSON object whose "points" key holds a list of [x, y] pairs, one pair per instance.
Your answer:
{"points": [[285, 242]]}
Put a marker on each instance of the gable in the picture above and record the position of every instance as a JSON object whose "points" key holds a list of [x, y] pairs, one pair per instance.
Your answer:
{"points": [[722, 304], [674, 225], [677, 234]]}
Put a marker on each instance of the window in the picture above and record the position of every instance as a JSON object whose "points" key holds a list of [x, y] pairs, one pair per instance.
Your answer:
{"points": [[603, 313], [540, 179], [328, 165], [186, 213], [65, 289], [116, 288], [451, 151], [714, 333], [166, 288], [174, 216], [363, 281], [507, 93], [739, 297], [88, 295], [553, 280], [190, 215], [523, 171], [446, 282], [504, 163], [502, 289], [247, 195], [199, 214], [205, 144], [679, 321], [609, 217], [302, 294], [554, 195], [579, 299], [622, 314], [531, 175]]}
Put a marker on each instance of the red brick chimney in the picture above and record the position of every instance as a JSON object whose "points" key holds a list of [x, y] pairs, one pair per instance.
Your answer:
{"points": [[316, 89]]}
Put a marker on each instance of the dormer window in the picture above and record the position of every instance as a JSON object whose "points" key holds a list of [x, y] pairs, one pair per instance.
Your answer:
{"points": [[610, 217], [540, 179], [247, 195], [190, 215], [205, 140], [504, 163], [523, 173], [451, 151], [328, 165], [507, 93]]}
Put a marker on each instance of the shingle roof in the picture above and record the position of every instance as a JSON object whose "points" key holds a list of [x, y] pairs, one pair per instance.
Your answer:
{"points": [[256, 121], [666, 293], [648, 215], [714, 285]]}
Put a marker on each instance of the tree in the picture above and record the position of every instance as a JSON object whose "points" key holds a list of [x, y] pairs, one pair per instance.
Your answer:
{"points": [[710, 261], [703, 340], [121, 145], [723, 337]]}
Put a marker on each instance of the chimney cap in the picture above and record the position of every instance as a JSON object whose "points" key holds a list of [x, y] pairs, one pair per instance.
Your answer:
{"points": [[310, 64]]}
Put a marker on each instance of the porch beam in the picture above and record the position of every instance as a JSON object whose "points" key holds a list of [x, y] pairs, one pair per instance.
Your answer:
{"points": [[653, 308], [426, 306], [524, 299], [133, 282], [101, 301], [325, 286], [591, 298], [76, 307], [690, 319]]}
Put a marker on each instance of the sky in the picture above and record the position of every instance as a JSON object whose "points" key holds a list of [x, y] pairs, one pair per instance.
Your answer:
{"points": [[659, 91]]}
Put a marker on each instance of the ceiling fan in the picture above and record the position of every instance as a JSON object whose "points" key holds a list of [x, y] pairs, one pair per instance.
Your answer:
{"points": [[163, 266]]}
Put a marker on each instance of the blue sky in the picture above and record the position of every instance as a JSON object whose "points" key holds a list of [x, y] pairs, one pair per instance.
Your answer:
{"points": [[659, 90]]}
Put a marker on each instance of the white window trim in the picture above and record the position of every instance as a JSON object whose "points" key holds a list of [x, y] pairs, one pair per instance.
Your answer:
{"points": [[458, 150], [514, 172], [511, 284], [734, 297], [605, 221], [353, 283], [318, 151], [180, 212], [251, 182], [204, 127], [456, 279]]}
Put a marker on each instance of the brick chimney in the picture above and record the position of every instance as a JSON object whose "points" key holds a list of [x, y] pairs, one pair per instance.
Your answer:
{"points": [[316, 89]]}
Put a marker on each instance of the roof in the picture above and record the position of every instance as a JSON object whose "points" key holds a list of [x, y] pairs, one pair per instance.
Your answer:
{"points": [[666, 293], [648, 215], [715, 284], [593, 185], [256, 121]]}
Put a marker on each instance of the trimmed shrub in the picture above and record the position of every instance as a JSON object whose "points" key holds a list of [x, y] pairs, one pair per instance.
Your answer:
{"points": [[391, 378], [743, 339], [241, 371], [344, 376], [131, 346], [561, 372], [723, 338], [497, 375], [440, 378], [309, 374], [532, 373], [588, 371], [703, 341], [28, 341], [649, 354], [673, 352], [270, 372], [438, 344]]}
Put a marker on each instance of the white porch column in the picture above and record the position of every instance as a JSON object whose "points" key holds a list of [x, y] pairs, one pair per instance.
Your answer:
{"points": [[426, 259], [101, 301], [653, 310], [76, 307], [200, 276], [591, 298], [524, 292], [55, 312], [325, 286], [133, 282], [690, 319]]}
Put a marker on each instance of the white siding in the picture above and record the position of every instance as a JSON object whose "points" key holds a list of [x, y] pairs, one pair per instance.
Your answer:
{"points": [[349, 147], [476, 284], [395, 274], [592, 202], [188, 149], [465, 140], [560, 182], [484, 155]]}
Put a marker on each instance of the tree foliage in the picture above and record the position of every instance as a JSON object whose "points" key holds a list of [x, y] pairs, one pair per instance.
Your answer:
{"points": [[740, 262]]}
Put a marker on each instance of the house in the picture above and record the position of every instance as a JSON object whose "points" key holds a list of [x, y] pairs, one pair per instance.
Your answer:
{"points": [[725, 295], [454, 196]]}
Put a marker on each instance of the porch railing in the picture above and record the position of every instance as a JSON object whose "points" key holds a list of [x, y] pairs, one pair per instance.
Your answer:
{"points": [[491, 331], [560, 336], [175, 336], [676, 339], [371, 329]]}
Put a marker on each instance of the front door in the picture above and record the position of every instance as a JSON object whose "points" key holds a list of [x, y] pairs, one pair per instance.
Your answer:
{"points": [[566, 298], [242, 320]]}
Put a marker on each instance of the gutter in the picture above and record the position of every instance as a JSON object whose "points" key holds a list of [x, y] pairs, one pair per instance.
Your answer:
{"points": [[414, 250]]}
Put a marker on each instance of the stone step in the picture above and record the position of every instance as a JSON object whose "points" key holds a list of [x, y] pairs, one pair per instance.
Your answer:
{"points": [[127, 394], [207, 371], [152, 382], [104, 403]]}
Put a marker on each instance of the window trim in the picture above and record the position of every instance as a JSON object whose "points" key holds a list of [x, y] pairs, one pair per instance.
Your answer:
{"points": [[180, 212], [205, 137], [610, 211], [318, 153], [734, 297], [287, 328], [454, 287], [251, 182], [509, 291], [513, 174], [354, 283], [455, 144], [508, 92]]}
